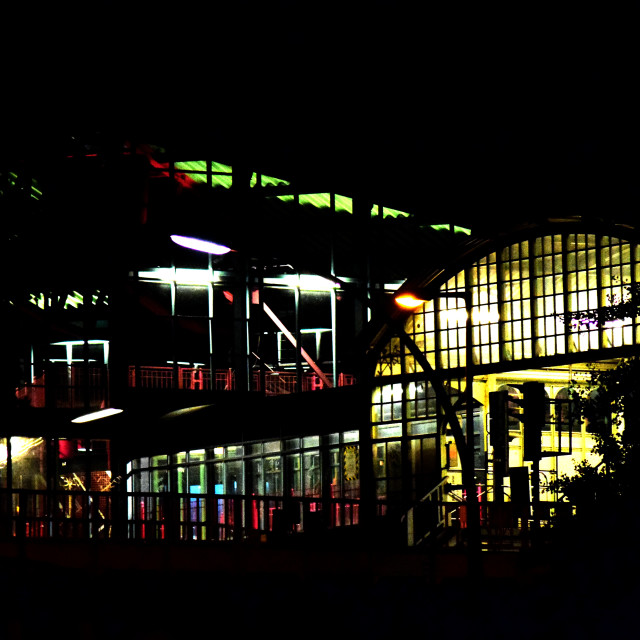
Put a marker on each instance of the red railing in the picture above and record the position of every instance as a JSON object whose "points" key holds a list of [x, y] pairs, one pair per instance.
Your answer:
{"points": [[167, 516], [67, 387], [75, 514], [77, 386], [200, 379]]}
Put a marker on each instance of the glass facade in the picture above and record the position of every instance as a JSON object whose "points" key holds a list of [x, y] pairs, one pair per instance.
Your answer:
{"points": [[185, 335], [55, 487], [177, 321], [520, 297], [248, 489]]}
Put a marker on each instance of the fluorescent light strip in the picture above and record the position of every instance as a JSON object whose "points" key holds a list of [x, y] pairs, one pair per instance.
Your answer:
{"points": [[96, 415], [200, 245]]}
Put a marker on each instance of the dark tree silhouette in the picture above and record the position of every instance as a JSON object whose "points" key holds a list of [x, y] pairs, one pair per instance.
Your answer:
{"points": [[606, 493]]}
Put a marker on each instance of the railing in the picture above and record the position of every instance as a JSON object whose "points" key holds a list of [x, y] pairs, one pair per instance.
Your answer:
{"points": [[428, 516], [71, 386], [441, 518], [86, 515], [166, 516], [503, 525], [201, 379], [66, 387]]}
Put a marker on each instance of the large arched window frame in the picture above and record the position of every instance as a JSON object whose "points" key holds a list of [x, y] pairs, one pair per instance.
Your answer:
{"points": [[519, 297]]}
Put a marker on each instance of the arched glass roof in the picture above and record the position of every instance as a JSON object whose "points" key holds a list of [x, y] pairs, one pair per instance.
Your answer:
{"points": [[520, 298]]}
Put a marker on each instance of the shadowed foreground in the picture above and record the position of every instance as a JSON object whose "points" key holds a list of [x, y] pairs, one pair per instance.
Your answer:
{"points": [[347, 595]]}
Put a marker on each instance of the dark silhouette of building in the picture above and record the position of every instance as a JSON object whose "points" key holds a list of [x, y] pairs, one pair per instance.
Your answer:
{"points": [[275, 390]]}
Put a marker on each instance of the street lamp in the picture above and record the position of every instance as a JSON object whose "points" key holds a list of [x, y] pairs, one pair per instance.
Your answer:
{"points": [[410, 300]]}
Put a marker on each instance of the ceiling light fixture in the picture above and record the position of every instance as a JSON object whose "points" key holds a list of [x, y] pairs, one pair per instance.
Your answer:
{"points": [[96, 415], [200, 245]]}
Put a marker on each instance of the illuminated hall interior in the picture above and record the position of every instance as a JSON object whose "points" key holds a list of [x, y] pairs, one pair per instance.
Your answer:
{"points": [[268, 386]]}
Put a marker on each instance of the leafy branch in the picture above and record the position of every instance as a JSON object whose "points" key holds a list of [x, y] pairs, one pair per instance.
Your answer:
{"points": [[618, 308], [610, 405]]}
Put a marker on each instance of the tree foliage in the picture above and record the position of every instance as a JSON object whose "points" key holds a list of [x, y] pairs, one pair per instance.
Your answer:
{"points": [[610, 406], [617, 308]]}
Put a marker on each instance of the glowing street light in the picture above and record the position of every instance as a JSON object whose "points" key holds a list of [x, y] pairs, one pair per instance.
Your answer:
{"points": [[201, 245], [409, 301]]}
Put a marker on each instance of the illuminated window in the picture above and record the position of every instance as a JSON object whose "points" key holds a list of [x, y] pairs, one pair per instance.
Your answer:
{"points": [[520, 296], [516, 308], [387, 403]]}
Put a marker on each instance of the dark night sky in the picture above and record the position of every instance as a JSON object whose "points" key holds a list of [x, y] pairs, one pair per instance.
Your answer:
{"points": [[456, 108]]}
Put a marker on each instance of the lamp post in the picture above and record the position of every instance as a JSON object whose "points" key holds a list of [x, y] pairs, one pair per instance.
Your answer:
{"points": [[409, 300]]}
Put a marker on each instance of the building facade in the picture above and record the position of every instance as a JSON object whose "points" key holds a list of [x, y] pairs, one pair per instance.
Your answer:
{"points": [[277, 389]]}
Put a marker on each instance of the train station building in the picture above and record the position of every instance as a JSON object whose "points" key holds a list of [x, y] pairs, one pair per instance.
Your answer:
{"points": [[265, 382]]}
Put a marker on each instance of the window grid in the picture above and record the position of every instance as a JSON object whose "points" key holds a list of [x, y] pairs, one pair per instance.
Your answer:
{"points": [[421, 328], [451, 325], [548, 298], [386, 405], [582, 289], [615, 275], [532, 284], [516, 296], [484, 296], [389, 359]]}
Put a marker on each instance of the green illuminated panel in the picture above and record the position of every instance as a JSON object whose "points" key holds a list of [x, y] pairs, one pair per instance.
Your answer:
{"points": [[34, 192], [218, 167], [322, 201], [37, 299], [387, 213], [191, 166], [197, 171], [448, 227], [201, 166], [344, 204], [393, 213], [73, 300], [221, 181], [221, 174], [267, 181]]}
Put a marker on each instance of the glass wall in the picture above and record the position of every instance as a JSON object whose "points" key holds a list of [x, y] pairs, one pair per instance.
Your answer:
{"points": [[55, 487], [405, 413], [199, 328], [521, 296], [256, 487]]}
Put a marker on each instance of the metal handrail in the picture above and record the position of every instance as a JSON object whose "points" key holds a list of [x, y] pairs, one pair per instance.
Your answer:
{"points": [[77, 514], [417, 515]]}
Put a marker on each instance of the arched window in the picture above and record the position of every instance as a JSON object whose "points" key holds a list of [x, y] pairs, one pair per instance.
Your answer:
{"points": [[520, 297], [568, 411]]}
